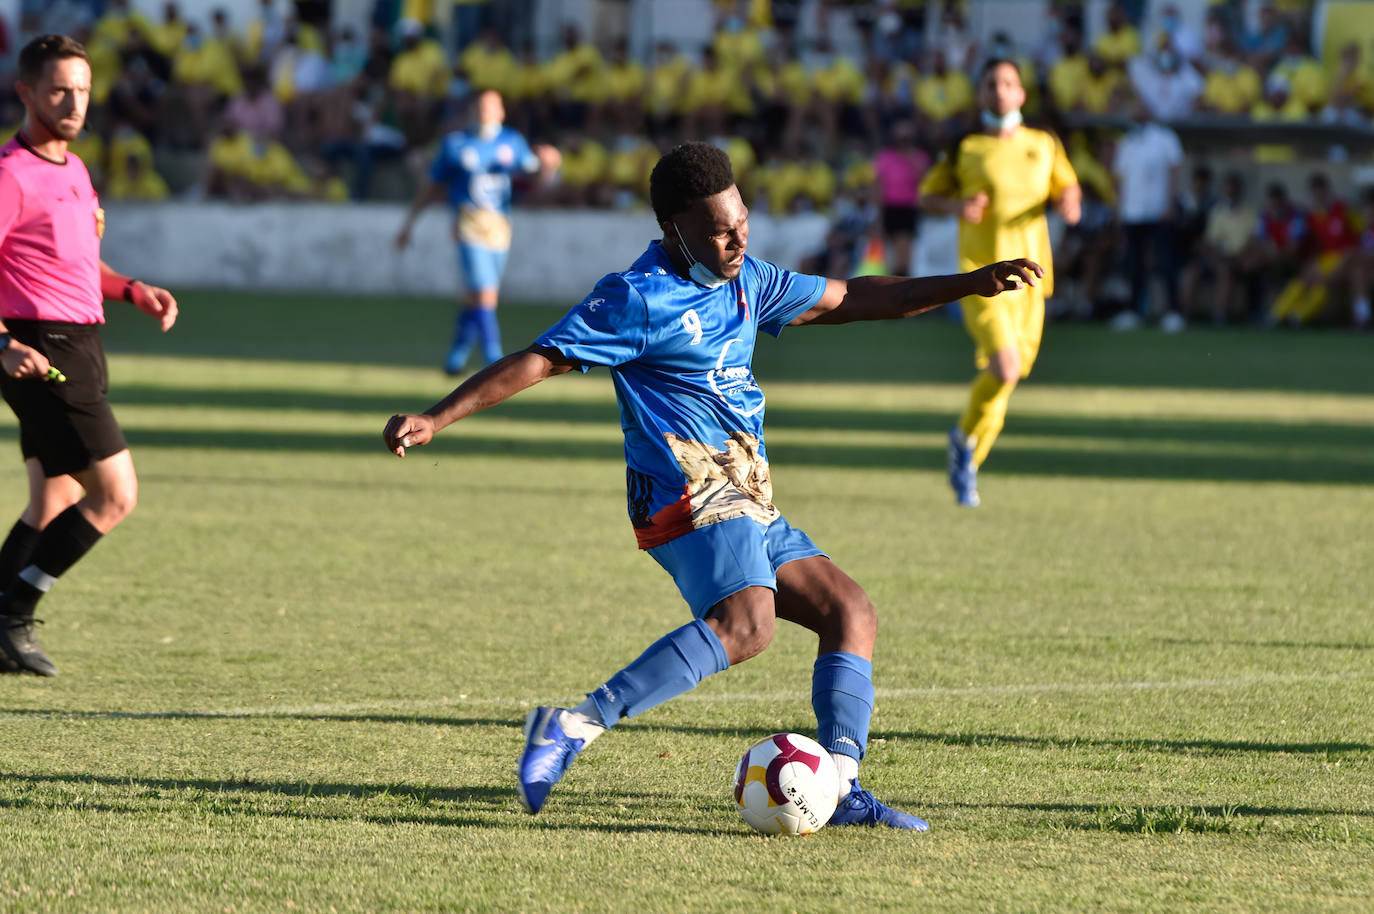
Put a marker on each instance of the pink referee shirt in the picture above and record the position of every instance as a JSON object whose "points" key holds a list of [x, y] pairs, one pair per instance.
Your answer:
{"points": [[899, 175], [50, 227]]}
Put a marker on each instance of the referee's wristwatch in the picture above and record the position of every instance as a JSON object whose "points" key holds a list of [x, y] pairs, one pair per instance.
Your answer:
{"points": [[5, 340]]}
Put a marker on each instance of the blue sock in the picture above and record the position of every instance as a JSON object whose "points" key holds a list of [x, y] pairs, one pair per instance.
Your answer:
{"points": [[842, 696], [490, 332], [672, 665], [465, 332]]}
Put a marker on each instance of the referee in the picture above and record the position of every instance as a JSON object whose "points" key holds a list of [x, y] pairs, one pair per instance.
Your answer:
{"points": [[52, 288]]}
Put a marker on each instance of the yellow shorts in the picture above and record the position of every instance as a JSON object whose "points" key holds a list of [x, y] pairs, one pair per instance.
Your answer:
{"points": [[1329, 261], [1010, 319]]}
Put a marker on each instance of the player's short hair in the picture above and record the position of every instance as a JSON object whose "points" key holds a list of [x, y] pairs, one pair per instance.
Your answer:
{"points": [[686, 174], [33, 59], [992, 63]]}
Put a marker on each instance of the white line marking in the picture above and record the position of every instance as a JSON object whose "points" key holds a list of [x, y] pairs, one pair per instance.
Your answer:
{"points": [[400, 706]]}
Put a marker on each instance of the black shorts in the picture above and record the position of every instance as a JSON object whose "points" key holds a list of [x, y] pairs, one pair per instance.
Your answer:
{"points": [[66, 425], [899, 220]]}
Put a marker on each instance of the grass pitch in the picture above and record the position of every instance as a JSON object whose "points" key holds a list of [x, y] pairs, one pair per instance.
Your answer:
{"points": [[1139, 678]]}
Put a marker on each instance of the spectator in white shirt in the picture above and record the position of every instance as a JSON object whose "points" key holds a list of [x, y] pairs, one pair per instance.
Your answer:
{"points": [[1147, 166], [1168, 84]]}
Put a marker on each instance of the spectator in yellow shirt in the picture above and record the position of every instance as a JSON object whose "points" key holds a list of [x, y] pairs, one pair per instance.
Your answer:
{"points": [[569, 74], [785, 93], [118, 22], [1121, 41], [943, 94], [582, 178], [105, 65], [228, 163], [1278, 105], [625, 85], [707, 97], [1229, 233], [738, 47], [89, 147], [840, 88], [631, 160], [1306, 78], [1102, 85], [1352, 89], [166, 37], [528, 102], [419, 77], [204, 74], [1232, 86], [136, 181], [1068, 73], [488, 64], [664, 96], [780, 183]]}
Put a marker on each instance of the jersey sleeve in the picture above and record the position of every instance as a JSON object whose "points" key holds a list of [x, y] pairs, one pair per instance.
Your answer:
{"points": [[607, 328], [444, 167], [940, 181], [525, 159], [1062, 175], [11, 202], [781, 295]]}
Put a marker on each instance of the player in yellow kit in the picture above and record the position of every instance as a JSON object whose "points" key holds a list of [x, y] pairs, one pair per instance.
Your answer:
{"points": [[998, 182]]}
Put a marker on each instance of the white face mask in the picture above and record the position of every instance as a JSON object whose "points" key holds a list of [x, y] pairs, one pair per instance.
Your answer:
{"points": [[700, 273], [1008, 121], [488, 131]]}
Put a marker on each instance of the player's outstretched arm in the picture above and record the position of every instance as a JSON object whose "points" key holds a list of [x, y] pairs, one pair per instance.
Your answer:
{"points": [[880, 298], [499, 381], [430, 192]]}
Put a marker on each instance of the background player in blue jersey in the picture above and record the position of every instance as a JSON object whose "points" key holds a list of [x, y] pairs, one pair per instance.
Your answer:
{"points": [[677, 332], [473, 169]]}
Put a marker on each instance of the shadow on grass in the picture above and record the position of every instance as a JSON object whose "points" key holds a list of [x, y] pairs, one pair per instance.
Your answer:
{"points": [[1246, 452], [1116, 817], [342, 328], [1191, 746], [236, 796]]}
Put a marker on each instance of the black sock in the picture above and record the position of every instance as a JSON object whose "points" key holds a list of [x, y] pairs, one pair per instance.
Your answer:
{"points": [[14, 555], [65, 540]]}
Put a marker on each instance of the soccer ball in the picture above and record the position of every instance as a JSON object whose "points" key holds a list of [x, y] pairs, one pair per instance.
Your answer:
{"points": [[786, 785]]}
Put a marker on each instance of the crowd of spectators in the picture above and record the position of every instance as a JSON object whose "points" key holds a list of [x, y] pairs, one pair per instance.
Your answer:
{"points": [[284, 106]]}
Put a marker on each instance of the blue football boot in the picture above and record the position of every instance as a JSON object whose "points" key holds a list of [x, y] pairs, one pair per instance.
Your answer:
{"points": [[860, 807], [457, 359], [548, 753], [963, 475]]}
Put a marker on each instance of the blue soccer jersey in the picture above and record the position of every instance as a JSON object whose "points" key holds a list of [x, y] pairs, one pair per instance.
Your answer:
{"points": [[681, 357], [478, 173]]}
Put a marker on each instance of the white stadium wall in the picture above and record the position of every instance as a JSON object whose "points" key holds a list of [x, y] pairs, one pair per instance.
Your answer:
{"points": [[557, 255]]}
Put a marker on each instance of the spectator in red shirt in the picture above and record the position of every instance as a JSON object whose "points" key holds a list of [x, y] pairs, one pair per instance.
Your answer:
{"points": [[1333, 240]]}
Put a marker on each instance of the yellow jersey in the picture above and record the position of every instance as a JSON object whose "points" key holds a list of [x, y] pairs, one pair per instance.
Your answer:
{"points": [[145, 185], [1020, 174], [1118, 47], [942, 97], [1232, 93], [1066, 80]]}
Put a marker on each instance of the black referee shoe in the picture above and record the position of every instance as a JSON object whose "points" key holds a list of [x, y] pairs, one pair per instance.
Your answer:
{"points": [[21, 648]]}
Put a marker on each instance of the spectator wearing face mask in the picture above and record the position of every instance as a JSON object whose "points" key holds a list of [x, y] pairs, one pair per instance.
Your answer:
{"points": [[1121, 41], [1167, 84]]}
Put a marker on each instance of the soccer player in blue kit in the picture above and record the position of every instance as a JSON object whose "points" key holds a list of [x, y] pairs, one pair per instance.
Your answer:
{"points": [[677, 332], [473, 168]]}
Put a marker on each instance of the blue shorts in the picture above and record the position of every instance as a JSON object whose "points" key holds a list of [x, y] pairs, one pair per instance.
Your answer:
{"points": [[718, 560], [482, 267]]}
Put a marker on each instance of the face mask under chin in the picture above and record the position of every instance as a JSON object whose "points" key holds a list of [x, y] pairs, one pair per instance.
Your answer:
{"points": [[1003, 121], [698, 271]]}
